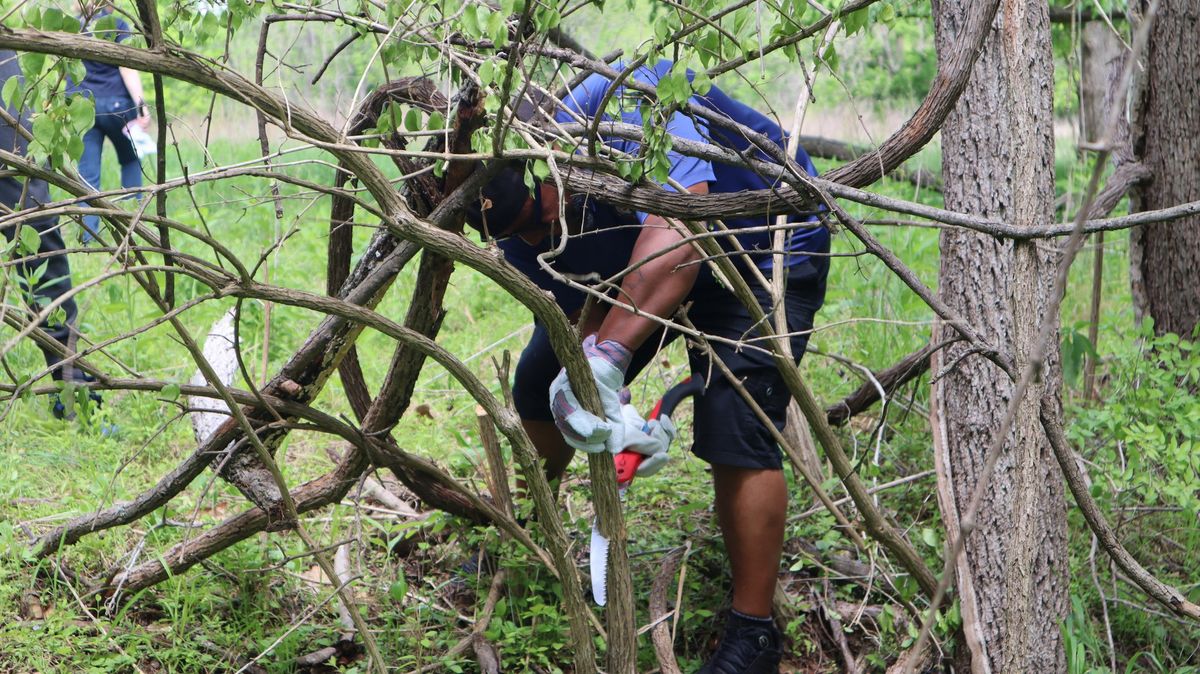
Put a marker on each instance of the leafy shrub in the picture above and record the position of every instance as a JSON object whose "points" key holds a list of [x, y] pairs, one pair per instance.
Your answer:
{"points": [[1144, 436]]}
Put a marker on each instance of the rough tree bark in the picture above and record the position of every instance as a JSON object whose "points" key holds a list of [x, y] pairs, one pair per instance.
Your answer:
{"points": [[998, 161], [1165, 263]]}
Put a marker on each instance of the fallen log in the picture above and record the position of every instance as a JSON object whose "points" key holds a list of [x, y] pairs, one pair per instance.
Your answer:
{"points": [[909, 368]]}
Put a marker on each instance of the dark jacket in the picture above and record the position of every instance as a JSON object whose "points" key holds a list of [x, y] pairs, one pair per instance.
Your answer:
{"points": [[11, 141], [55, 278]]}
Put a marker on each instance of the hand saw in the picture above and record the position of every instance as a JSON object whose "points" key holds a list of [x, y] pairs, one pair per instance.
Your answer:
{"points": [[627, 462]]}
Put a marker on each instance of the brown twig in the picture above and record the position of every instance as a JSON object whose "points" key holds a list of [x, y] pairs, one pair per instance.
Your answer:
{"points": [[1156, 589], [905, 370], [497, 471], [661, 635], [834, 624]]}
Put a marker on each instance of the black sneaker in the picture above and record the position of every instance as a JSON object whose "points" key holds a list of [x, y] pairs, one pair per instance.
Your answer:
{"points": [[460, 588], [59, 408], [749, 646], [94, 401]]}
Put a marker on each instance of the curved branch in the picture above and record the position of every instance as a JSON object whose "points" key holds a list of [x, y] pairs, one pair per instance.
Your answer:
{"points": [[660, 634], [327, 489], [831, 148], [183, 474], [943, 94]]}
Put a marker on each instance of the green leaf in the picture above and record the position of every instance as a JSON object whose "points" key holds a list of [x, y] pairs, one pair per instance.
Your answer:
{"points": [[9, 91], [44, 131], [929, 536], [31, 64], [83, 113], [470, 21], [662, 29], [67, 398], [412, 120], [887, 619], [32, 16], [487, 72], [541, 170], [170, 392], [497, 29], [547, 18], [398, 589], [1075, 348], [831, 57], [854, 21], [709, 47], [30, 240], [75, 147], [54, 18], [104, 28], [799, 8]]}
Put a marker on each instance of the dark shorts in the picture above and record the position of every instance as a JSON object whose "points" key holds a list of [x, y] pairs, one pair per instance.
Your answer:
{"points": [[726, 430]]}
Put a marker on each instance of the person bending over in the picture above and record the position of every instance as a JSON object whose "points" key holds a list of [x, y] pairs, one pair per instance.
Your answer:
{"points": [[602, 240]]}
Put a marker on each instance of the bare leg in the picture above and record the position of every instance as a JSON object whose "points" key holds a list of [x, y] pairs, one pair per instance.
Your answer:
{"points": [[752, 511], [555, 452]]}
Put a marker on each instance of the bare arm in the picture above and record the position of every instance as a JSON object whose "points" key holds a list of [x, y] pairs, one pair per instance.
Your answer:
{"points": [[656, 287], [133, 84]]}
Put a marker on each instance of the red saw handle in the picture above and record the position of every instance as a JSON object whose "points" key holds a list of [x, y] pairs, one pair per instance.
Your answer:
{"points": [[627, 464], [627, 461]]}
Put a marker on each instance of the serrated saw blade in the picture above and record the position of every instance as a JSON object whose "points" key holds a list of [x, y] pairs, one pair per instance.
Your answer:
{"points": [[599, 564]]}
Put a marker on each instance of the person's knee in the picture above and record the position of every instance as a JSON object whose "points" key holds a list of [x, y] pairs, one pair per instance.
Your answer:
{"points": [[531, 401], [536, 368]]}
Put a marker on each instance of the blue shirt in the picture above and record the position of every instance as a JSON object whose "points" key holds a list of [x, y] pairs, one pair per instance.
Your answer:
{"points": [[103, 80], [605, 245]]}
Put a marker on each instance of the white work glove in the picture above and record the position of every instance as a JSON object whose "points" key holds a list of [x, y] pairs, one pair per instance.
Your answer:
{"points": [[582, 429], [649, 438]]}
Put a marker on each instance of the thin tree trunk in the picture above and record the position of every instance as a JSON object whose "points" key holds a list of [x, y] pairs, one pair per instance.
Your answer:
{"points": [[998, 161], [1165, 262], [1100, 59]]}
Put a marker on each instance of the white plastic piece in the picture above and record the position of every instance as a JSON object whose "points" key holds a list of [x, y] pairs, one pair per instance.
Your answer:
{"points": [[219, 352]]}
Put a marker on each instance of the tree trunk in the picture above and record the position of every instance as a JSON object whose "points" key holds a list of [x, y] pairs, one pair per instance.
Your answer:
{"points": [[998, 162], [1102, 58], [1101, 63], [1165, 261]]}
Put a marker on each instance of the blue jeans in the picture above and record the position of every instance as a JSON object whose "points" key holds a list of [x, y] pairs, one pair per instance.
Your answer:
{"points": [[112, 114]]}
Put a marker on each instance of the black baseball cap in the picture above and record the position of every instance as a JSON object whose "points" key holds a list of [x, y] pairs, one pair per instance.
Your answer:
{"points": [[500, 201]]}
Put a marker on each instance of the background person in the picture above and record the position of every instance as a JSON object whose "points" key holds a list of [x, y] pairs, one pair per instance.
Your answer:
{"points": [[119, 100], [49, 266], [751, 494]]}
